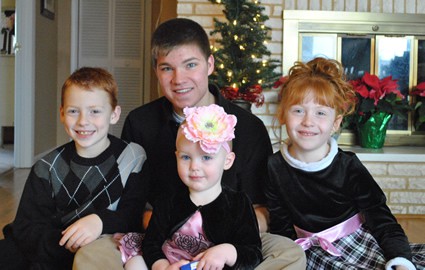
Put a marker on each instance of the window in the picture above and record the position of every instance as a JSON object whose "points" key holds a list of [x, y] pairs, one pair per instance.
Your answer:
{"points": [[382, 44]]}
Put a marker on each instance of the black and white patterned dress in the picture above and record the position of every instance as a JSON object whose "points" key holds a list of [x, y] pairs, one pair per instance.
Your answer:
{"points": [[317, 196]]}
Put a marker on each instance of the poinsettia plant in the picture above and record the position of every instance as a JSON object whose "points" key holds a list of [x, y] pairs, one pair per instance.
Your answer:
{"points": [[377, 95], [253, 94], [278, 85], [419, 93]]}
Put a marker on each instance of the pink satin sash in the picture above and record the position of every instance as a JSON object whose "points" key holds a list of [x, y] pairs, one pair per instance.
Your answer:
{"points": [[325, 238], [188, 241]]}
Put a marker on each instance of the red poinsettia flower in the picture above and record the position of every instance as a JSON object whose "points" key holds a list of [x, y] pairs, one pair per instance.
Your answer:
{"points": [[278, 85], [419, 90], [280, 81], [379, 95], [252, 94], [370, 86], [230, 93], [388, 85]]}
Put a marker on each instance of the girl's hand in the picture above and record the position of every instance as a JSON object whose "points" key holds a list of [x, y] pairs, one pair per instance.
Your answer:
{"points": [[216, 257], [400, 267], [81, 232]]}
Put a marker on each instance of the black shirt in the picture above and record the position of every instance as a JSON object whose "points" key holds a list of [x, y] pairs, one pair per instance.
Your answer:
{"points": [[153, 126]]}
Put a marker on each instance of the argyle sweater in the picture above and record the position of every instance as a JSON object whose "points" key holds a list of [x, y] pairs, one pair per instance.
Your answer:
{"points": [[63, 187]]}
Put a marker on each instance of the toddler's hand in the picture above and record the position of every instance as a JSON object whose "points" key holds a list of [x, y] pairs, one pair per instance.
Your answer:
{"points": [[217, 257], [163, 264]]}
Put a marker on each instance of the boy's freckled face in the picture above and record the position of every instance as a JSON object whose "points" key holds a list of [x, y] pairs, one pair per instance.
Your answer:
{"points": [[183, 76], [86, 115]]}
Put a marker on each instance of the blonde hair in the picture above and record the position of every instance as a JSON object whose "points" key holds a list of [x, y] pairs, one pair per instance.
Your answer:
{"points": [[324, 80]]}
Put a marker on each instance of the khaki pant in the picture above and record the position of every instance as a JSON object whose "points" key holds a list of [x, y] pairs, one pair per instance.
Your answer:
{"points": [[278, 252], [281, 253], [101, 254]]}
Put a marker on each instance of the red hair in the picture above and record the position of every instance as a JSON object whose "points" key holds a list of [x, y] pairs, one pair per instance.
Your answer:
{"points": [[88, 78], [321, 79]]}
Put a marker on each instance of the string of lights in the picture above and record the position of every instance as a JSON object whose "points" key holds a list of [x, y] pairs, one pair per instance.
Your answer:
{"points": [[243, 62]]}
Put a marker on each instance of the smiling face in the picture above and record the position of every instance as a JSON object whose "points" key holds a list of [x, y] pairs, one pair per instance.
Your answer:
{"points": [[86, 115], [183, 76], [309, 126], [199, 171]]}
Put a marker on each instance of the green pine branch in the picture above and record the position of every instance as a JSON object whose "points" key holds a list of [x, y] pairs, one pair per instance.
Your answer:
{"points": [[242, 49]]}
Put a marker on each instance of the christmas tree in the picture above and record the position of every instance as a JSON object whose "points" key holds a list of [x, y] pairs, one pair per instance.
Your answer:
{"points": [[242, 61]]}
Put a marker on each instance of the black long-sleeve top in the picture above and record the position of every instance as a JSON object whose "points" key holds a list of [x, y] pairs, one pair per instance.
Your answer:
{"points": [[153, 127], [317, 200], [230, 218], [63, 187]]}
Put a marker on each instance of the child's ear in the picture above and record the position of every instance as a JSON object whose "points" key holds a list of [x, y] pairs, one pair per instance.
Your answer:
{"points": [[210, 63], [228, 162], [337, 123], [62, 114], [115, 115]]}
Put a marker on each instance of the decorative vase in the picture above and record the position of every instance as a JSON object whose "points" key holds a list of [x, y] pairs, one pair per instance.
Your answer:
{"points": [[243, 104], [372, 131]]}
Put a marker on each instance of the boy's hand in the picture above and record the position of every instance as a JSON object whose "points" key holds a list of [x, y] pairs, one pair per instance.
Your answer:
{"points": [[216, 257], [81, 232]]}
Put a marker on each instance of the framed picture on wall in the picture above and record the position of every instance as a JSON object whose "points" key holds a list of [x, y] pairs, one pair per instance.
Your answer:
{"points": [[48, 8]]}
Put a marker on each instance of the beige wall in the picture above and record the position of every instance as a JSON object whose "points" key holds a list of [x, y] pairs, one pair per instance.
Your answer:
{"points": [[162, 10], [7, 83], [46, 39], [7, 90], [7, 3], [63, 60]]}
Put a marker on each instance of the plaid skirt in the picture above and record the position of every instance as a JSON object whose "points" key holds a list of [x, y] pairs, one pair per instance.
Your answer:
{"points": [[359, 251]]}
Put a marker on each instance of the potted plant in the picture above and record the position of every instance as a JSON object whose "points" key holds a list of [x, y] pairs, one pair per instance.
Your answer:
{"points": [[377, 101], [419, 94], [243, 63]]}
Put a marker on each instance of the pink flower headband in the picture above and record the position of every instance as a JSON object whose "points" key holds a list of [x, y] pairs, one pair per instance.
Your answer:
{"points": [[211, 126]]}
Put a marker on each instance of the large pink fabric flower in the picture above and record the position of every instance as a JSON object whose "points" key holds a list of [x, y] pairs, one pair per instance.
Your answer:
{"points": [[209, 125]]}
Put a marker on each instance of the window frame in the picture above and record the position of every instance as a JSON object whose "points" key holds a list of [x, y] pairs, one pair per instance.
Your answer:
{"points": [[299, 22]]}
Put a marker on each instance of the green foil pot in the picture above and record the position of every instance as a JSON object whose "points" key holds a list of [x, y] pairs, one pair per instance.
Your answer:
{"points": [[372, 131]]}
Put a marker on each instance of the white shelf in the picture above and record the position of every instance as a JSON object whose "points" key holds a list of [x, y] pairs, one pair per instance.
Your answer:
{"points": [[389, 154], [386, 154]]}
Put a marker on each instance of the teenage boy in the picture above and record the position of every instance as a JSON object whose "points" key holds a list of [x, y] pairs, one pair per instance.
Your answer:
{"points": [[182, 61]]}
